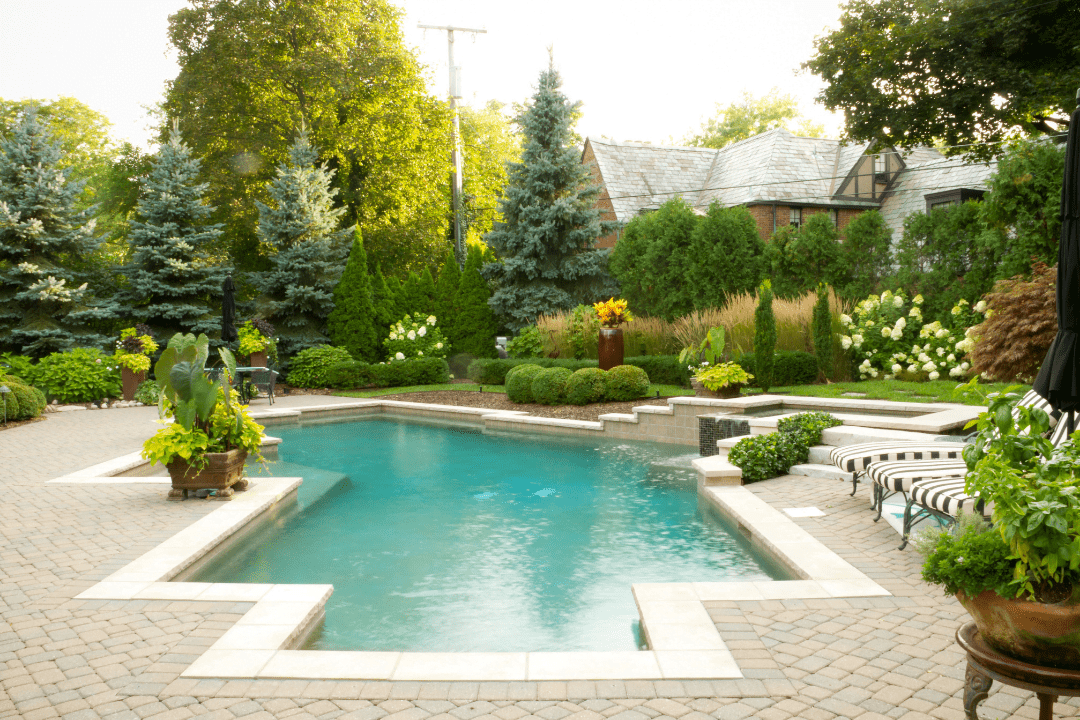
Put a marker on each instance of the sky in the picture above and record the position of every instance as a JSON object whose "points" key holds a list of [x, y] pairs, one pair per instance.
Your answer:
{"points": [[648, 71]]}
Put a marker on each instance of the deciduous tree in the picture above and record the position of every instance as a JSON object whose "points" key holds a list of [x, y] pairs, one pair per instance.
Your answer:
{"points": [[753, 116]]}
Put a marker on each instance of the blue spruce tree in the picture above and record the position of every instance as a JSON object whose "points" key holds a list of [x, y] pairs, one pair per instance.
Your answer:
{"points": [[545, 242], [44, 304], [173, 280], [307, 250]]}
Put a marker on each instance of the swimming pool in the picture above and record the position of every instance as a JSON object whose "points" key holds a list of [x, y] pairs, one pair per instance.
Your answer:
{"points": [[444, 538]]}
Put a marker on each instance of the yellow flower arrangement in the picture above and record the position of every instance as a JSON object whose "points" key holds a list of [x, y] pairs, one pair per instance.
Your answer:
{"points": [[612, 313]]}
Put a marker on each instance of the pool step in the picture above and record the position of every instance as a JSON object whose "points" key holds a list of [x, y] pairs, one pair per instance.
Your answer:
{"points": [[817, 470]]}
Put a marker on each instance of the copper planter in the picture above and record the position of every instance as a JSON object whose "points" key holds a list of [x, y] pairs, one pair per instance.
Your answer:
{"points": [[131, 381], [1045, 634], [611, 348]]}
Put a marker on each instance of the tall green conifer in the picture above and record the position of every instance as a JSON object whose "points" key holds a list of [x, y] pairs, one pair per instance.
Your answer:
{"points": [[764, 337], [446, 299], [308, 250], [352, 322], [476, 324], [550, 219], [385, 304]]}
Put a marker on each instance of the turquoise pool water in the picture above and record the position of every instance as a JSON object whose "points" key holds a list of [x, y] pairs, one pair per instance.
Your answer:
{"points": [[444, 538]]}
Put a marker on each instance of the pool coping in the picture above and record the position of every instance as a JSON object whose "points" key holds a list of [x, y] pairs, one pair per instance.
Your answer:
{"points": [[683, 639]]}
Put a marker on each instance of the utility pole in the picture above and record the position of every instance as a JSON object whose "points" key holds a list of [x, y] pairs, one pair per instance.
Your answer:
{"points": [[455, 136]]}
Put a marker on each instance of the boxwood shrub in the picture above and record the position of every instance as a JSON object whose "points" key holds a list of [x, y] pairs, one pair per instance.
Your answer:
{"points": [[663, 369], [310, 366], [586, 386], [549, 385], [790, 367], [626, 382], [519, 382]]}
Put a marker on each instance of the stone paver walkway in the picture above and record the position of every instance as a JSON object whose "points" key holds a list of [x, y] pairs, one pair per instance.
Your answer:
{"points": [[851, 658]]}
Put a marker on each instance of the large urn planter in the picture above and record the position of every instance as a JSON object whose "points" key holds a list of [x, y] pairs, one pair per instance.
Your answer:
{"points": [[1046, 634], [731, 390], [611, 348], [223, 473], [131, 381], [257, 359]]}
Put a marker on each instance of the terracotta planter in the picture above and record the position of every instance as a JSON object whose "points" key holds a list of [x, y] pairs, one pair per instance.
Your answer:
{"points": [[611, 348], [224, 472], [257, 359], [131, 380], [1038, 633], [730, 391]]}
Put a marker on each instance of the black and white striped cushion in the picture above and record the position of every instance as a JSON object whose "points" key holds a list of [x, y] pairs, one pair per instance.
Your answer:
{"points": [[900, 476], [855, 458], [947, 496], [1061, 431]]}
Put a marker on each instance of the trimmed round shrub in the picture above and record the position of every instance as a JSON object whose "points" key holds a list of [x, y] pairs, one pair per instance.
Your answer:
{"points": [[626, 382], [549, 386], [586, 386], [519, 383], [24, 401], [310, 367]]}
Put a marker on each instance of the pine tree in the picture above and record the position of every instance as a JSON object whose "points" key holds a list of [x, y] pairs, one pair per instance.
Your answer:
{"points": [[764, 337], [475, 324], [352, 322], [308, 250], [550, 220], [172, 280], [385, 304], [446, 299], [43, 306]]}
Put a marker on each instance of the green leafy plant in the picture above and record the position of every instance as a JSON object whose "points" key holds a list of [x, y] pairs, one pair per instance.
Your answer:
{"points": [[207, 416], [415, 336], [586, 386], [723, 375], [18, 365], [970, 556], [353, 374], [252, 340], [148, 392], [519, 383], [528, 343], [549, 386], [134, 348], [626, 382], [765, 456], [790, 367], [309, 367], [581, 330], [709, 352], [78, 375]]}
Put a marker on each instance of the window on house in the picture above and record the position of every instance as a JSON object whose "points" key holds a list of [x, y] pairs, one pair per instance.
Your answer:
{"points": [[879, 164], [796, 217], [834, 215]]}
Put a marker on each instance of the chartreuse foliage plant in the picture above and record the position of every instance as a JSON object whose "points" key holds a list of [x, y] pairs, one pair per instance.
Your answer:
{"points": [[251, 339], [207, 416], [134, 348], [310, 367]]}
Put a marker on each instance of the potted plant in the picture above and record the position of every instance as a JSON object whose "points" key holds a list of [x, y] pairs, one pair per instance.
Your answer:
{"points": [[1020, 579], [211, 435], [133, 351], [611, 315], [257, 342], [712, 377]]}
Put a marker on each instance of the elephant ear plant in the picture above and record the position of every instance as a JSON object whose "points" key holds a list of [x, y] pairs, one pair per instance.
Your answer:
{"points": [[207, 415]]}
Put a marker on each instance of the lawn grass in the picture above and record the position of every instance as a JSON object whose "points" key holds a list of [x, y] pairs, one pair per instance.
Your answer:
{"points": [[896, 390]]}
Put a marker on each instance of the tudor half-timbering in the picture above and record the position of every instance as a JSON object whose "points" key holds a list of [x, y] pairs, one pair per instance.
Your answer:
{"points": [[781, 178]]}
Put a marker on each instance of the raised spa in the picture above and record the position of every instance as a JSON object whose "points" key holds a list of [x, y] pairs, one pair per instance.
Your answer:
{"points": [[444, 538]]}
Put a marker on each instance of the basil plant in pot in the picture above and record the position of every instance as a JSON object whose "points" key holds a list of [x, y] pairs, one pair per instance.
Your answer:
{"points": [[1019, 578], [211, 434], [711, 376]]}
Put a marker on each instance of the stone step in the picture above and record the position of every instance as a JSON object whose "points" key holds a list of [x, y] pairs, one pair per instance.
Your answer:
{"points": [[829, 472], [819, 454], [727, 443]]}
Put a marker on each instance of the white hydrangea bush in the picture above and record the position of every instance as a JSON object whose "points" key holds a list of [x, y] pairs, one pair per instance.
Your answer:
{"points": [[888, 338], [415, 336]]}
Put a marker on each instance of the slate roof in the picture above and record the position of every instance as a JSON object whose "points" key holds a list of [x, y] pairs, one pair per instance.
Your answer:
{"points": [[776, 166]]}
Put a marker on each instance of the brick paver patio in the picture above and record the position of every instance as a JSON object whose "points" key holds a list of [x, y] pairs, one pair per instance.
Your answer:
{"points": [[857, 658]]}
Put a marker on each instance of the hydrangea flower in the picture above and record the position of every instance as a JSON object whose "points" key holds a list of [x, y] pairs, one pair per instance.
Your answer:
{"points": [[399, 356], [430, 319], [411, 335], [422, 331], [934, 375], [845, 341]]}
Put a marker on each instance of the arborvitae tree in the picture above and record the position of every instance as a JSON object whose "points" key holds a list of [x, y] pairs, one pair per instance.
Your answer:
{"points": [[475, 324], [867, 249], [727, 256], [352, 321], [418, 293], [385, 305], [550, 219], [764, 337], [43, 308], [446, 298], [822, 331], [395, 291], [308, 250], [173, 283]]}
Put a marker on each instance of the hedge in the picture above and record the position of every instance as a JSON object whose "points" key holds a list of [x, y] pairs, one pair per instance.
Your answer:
{"points": [[790, 367], [661, 369], [352, 374]]}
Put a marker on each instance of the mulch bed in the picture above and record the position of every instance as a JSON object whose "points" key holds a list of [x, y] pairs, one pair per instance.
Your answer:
{"points": [[498, 401]]}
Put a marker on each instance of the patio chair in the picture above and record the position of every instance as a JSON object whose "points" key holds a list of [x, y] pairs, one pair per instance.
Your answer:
{"points": [[265, 380], [856, 458]]}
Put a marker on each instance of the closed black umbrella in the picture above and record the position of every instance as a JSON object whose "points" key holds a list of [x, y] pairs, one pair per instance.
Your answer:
{"points": [[228, 311], [1059, 377]]}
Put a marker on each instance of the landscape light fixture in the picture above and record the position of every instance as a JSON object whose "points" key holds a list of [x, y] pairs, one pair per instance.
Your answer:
{"points": [[4, 392]]}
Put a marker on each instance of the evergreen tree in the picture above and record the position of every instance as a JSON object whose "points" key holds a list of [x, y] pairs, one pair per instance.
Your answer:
{"points": [[476, 324], [822, 331], [727, 256], [172, 279], [385, 306], [867, 250], [352, 322], [550, 221], [446, 298], [308, 250], [43, 308], [418, 294], [764, 337], [395, 292]]}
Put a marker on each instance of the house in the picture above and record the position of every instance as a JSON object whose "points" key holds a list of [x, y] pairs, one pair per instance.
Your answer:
{"points": [[780, 178]]}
